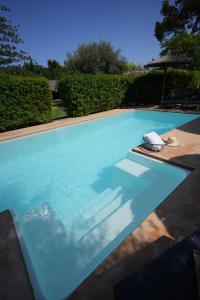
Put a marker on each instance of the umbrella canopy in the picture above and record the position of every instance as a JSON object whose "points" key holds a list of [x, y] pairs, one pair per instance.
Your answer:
{"points": [[167, 61]]}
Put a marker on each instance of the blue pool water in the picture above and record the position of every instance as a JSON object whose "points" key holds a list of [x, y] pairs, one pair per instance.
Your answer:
{"points": [[76, 193]]}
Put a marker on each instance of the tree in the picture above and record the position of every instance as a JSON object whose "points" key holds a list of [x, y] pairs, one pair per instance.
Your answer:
{"points": [[129, 66], [185, 45], [184, 15], [55, 70], [179, 30], [9, 39], [95, 58]]}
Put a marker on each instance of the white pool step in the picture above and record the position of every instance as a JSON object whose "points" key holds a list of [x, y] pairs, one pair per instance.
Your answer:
{"points": [[109, 229], [126, 165], [96, 214], [100, 202], [131, 167]]}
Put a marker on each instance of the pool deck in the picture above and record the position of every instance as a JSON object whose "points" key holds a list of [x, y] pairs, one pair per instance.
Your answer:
{"points": [[176, 217], [14, 281]]}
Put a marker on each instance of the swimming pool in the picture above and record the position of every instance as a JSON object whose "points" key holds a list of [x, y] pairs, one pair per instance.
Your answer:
{"points": [[77, 193]]}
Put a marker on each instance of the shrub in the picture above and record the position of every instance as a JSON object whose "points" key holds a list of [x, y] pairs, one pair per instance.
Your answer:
{"points": [[147, 88], [24, 101], [85, 94]]}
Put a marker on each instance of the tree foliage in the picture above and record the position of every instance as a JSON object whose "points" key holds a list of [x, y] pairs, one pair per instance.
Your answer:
{"points": [[179, 30], [95, 58], [183, 15], [9, 39], [85, 94], [185, 45], [55, 70]]}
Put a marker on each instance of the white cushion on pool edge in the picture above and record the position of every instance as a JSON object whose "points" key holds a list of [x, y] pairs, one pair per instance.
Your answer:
{"points": [[154, 141]]}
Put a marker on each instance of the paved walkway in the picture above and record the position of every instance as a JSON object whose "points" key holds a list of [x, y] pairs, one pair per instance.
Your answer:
{"points": [[14, 281]]}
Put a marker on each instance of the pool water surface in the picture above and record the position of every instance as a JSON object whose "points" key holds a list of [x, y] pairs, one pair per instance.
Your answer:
{"points": [[77, 192]]}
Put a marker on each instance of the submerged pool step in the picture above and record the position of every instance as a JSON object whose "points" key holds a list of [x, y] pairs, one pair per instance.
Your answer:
{"points": [[99, 203], [109, 229], [97, 214], [131, 167], [111, 199], [127, 165]]}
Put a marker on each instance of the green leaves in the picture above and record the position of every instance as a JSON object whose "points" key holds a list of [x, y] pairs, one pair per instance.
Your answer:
{"points": [[179, 31], [9, 39], [85, 94], [186, 45], [95, 58], [183, 15], [24, 101]]}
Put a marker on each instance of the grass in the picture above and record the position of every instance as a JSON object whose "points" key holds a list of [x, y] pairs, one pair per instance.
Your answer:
{"points": [[59, 112]]}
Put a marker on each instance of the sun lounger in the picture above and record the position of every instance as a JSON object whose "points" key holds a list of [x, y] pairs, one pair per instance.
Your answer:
{"points": [[192, 99], [173, 99]]}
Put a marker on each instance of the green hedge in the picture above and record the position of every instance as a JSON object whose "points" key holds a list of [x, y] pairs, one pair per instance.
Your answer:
{"points": [[85, 94], [24, 101], [146, 89]]}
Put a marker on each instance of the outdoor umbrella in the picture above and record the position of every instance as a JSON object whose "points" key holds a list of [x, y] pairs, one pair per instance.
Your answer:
{"points": [[167, 61]]}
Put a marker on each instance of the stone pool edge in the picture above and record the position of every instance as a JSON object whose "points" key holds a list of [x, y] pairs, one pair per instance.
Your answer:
{"points": [[31, 130]]}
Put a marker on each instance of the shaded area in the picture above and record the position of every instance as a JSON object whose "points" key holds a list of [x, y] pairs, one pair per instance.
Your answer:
{"points": [[172, 273], [13, 276], [191, 127], [100, 284], [180, 211], [165, 62]]}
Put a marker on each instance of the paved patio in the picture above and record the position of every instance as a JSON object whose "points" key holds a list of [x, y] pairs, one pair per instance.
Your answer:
{"points": [[176, 217]]}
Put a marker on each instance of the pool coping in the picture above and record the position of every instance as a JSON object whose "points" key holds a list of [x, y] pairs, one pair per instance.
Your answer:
{"points": [[32, 130]]}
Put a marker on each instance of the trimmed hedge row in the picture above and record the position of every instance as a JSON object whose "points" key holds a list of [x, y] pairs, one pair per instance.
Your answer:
{"points": [[24, 101], [146, 89], [85, 94]]}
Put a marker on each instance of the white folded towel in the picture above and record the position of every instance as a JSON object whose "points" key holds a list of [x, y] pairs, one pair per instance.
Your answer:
{"points": [[153, 141]]}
